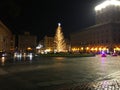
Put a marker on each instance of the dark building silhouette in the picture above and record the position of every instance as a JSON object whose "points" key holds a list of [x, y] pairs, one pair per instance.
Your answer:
{"points": [[6, 38], [27, 42]]}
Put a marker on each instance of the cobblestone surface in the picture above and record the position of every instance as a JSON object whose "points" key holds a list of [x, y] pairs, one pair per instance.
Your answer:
{"points": [[101, 85], [107, 85]]}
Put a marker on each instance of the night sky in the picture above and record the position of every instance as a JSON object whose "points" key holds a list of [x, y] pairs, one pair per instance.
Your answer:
{"points": [[40, 17]]}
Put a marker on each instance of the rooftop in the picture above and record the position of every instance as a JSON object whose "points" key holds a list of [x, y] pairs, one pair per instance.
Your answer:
{"points": [[107, 3]]}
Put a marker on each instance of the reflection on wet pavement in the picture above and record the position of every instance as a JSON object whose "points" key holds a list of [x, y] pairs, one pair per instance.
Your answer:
{"points": [[60, 73]]}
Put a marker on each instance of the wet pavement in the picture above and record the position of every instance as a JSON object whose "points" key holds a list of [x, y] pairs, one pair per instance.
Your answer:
{"points": [[61, 73]]}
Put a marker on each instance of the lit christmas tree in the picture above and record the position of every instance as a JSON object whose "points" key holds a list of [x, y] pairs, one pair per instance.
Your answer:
{"points": [[60, 44]]}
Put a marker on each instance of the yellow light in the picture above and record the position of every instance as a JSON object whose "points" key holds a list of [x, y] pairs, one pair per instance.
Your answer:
{"points": [[114, 49], [87, 48], [96, 49], [92, 49], [73, 49], [117, 48], [81, 48], [48, 50], [104, 49], [3, 61], [29, 48], [100, 49], [107, 3]]}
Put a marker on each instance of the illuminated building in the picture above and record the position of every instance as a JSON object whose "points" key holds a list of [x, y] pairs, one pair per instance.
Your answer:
{"points": [[105, 34], [49, 43], [5, 38], [27, 42], [12, 46], [108, 11]]}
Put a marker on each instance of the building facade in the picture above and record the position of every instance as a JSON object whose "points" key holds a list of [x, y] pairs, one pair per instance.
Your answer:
{"points": [[5, 38], [12, 46], [105, 34], [27, 42], [49, 43]]}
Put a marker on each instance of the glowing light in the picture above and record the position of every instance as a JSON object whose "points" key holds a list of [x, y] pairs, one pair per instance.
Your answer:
{"points": [[82, 48], [15, 54], [59, 24], [29, 48], [48, 50], [3, 61], [92, 49], [96, 49], [24, 55], [59, 58], [104, 49], [103, 52], [107, 3], [59, 40], [39, 46], [30, 56], [87, 48], [100, 48]]}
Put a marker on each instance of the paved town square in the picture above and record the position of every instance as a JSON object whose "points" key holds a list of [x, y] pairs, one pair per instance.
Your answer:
{"points": [[61, 73]]}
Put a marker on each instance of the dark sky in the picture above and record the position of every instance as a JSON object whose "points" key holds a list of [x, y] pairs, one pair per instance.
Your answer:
{"points": [[40, 17]]}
